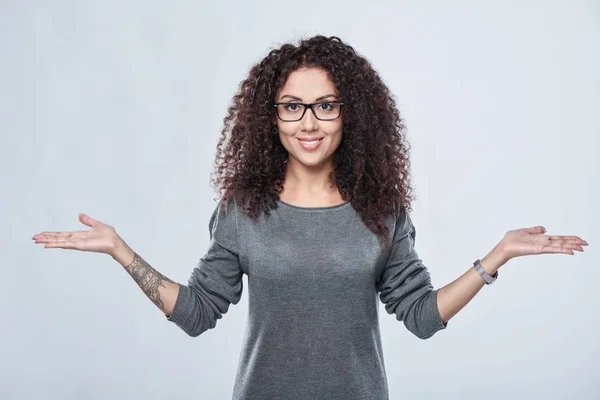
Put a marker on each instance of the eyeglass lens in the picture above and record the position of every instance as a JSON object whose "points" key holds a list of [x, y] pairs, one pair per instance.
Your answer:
{"points": [[323, 111]]}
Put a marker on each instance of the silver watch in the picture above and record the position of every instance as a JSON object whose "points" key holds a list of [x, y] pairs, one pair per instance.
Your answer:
{"points": [[489, 279]]}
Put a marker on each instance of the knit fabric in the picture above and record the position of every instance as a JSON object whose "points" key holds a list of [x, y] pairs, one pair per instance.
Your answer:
{"points": [[315, 277]]}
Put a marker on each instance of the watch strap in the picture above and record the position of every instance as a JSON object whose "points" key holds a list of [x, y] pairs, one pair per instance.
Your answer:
{"points": [[489, 279]]}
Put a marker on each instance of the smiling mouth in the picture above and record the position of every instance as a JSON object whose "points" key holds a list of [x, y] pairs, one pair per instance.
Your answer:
{"points": [[310, 145], [310, 141]]}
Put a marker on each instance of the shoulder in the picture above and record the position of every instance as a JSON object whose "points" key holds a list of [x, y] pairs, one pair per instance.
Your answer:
{"points": [[403, 224], [223, 222], [223, 207]]}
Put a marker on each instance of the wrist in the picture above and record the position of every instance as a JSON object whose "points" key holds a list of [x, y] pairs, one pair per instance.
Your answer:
{"points": [[494, 260], [122, 253]]}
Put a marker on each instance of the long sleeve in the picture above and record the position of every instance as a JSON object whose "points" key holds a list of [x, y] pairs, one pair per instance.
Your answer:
{"points": [[405, 284], [216, 281]]}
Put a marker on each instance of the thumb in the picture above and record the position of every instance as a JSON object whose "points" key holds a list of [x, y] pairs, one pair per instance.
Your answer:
{"points": [[536, 229], [87, 220]]}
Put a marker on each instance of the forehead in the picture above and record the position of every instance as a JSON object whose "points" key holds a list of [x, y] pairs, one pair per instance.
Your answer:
{"points": [[308, 84]]}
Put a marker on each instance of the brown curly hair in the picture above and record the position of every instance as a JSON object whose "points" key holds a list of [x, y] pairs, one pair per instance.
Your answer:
{"points": [[371, 164]]}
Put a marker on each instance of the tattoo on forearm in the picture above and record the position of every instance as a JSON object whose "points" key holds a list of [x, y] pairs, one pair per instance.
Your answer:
{"points": [[148, 279]]}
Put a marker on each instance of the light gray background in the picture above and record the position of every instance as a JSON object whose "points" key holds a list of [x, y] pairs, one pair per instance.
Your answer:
{"points": [[114, 109]]}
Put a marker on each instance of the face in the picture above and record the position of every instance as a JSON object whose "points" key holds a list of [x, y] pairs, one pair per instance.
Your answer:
{"points": [[309, 85]]}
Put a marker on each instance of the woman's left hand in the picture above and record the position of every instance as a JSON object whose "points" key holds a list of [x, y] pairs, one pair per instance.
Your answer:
{"points": [[529, 241]]}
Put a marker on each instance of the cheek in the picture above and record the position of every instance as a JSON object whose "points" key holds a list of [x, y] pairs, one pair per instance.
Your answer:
{"points": [[286, 136], [334, 135], [336, 140], [287, 130], [335, 130]]}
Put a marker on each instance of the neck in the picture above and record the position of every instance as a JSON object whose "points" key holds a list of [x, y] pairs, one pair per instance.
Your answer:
{"points": [[304, 179]]}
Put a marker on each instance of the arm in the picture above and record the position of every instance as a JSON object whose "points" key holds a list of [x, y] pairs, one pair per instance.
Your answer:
{"points": [[216, 282], [213, 286], [515, 243], [103, 238], [160, 289], [405, 284], [455, 295]]}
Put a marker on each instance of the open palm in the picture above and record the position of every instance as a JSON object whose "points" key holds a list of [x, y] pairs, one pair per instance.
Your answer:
{"points": [[102, 238], [529, 241]]}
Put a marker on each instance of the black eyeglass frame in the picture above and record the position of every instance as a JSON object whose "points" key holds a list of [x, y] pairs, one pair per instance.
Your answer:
{"points": [[306, 107]]}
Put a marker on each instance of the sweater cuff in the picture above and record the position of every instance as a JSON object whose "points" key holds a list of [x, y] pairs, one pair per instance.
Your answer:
{"points": [[432, 319], [178, 315]]}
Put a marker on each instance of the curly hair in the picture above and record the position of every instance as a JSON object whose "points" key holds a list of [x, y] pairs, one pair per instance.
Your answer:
{"points": [[371, 164]]}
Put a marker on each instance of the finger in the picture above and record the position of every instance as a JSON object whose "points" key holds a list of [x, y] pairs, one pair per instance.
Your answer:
{"points": [[570, 246], [569, 239], [536, 229], [555, 250], [63, 245], [47, 234], [87, 220], [559, 246], [59, 236], [38, 234], [574, 239], [56, 234]]}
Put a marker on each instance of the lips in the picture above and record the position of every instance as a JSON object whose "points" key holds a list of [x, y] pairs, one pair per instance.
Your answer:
{"points": [[307, 145]]}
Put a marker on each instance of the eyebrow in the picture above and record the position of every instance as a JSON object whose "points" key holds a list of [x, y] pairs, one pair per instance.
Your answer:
{"points": [[299, 99]]}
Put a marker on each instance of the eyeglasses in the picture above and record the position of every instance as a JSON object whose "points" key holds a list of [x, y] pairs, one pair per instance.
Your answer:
{"points": [[325, 110]]}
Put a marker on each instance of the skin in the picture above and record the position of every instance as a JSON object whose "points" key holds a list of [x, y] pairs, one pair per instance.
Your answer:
{"points": [[148, 279], [307, 185], [306, 181]]}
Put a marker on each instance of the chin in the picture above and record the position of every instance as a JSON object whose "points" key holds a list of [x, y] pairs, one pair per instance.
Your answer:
{"points": [[311, 161]]}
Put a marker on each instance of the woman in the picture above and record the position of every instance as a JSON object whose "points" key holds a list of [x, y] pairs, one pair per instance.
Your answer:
{"points": [[313, 171]]}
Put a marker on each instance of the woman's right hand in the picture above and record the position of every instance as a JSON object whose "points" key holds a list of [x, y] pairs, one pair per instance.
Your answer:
{"points": [[102, 238]]}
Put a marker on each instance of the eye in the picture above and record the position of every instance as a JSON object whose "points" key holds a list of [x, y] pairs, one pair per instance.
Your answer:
{"points": [[326, 106], [292, 107]]}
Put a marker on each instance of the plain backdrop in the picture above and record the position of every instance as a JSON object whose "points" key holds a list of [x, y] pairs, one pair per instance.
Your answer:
{"points": [[114, 109]]}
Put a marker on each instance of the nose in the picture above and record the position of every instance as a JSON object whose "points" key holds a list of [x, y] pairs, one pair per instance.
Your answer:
{"points": [[309, 121]]}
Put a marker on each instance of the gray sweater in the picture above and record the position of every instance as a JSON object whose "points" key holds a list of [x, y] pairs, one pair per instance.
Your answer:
{"points": [[314, 278]]}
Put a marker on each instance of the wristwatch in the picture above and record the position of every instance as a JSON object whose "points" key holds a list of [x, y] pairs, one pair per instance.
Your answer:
{"points": [[488, 279]]}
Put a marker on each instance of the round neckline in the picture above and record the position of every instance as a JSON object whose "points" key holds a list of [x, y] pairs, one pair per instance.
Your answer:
{"points": [[316, 209]]}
